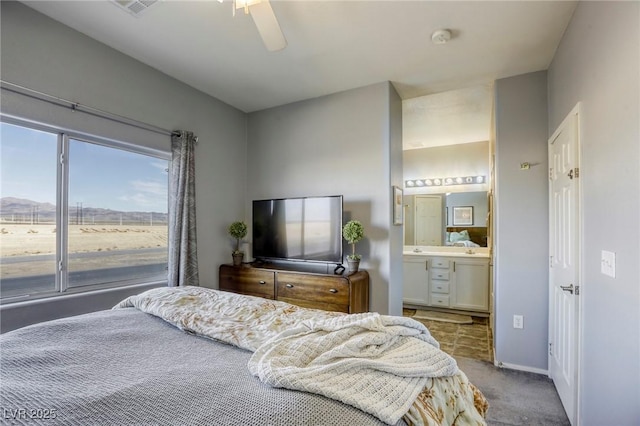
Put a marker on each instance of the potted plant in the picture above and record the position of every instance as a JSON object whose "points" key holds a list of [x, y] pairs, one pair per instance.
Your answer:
{"points": [[353, 231], [238, 230]]}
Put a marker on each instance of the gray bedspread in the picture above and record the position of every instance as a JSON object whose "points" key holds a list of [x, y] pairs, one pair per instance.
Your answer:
{"points": [[125, 367]]}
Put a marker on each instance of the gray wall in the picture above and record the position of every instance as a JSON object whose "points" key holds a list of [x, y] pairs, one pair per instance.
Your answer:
{"points": [[598, 64], [395, 173], [521, 218], [42, 54], [347, 143], [477, 200]]}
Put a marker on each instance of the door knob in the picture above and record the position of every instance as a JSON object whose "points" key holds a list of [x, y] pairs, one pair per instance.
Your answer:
{"points": [[568, 288]]}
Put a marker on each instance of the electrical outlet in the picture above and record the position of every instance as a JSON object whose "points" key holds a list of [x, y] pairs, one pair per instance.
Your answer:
{"points": [[518, 321], [608, 263]]}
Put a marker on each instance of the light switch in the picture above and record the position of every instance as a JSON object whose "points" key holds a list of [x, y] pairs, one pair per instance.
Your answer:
{"points": [[608, 263]]}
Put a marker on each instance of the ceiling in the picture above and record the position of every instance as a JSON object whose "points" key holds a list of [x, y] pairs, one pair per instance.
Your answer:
{"points": [[332, 46]]}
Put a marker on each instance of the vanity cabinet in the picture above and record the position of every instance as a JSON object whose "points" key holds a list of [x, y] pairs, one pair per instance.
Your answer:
{"points": [[470, 287], [439, 281], [447, 282], [415, 289]]}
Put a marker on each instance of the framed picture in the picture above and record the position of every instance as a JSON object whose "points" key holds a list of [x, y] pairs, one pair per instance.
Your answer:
{"points": [[462, 216], [397, 206]]}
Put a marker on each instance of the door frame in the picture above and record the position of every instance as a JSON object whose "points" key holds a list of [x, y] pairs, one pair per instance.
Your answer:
{"points": [[576, 112]]}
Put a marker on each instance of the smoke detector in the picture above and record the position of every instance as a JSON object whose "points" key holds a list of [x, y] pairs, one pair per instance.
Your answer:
{"points": [[441, 36]]}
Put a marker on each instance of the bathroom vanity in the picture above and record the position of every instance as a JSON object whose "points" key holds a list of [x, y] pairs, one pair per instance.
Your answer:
{"points": [[446, 277]]}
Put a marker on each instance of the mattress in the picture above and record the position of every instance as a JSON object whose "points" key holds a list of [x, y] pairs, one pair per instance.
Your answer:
{"points": [[126, 367]]}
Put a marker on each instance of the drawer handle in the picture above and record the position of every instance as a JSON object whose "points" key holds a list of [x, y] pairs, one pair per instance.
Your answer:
{"points": [[262, 282], [289, 285], [333, 290]]}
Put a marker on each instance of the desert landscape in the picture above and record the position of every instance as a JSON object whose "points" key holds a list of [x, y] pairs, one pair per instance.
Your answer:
{"points": [[29, 249]]}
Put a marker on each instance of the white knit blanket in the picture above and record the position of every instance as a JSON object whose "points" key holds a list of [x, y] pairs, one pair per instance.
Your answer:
{"points": [[374, 362]]}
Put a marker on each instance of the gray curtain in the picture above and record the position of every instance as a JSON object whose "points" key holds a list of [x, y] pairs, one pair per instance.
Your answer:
{"points": [[183, 259]]}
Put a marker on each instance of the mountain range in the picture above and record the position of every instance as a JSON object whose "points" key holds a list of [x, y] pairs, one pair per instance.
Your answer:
{"points": [[23, 210]]}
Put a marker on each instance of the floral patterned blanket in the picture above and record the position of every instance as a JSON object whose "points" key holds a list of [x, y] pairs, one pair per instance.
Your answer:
{"points": [[388, 366]]}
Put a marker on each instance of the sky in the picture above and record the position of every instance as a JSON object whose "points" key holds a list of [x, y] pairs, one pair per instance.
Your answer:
{"points": [[99, 176]]}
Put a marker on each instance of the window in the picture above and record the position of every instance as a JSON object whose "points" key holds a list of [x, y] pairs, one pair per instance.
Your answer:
{"points": [[27, 211], [96, 219]]}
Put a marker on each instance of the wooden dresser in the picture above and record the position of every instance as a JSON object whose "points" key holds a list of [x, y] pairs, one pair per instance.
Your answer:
{"points": [[341, 293]]}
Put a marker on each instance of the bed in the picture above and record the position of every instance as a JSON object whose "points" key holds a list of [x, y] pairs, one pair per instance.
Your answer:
{"points": [[466, 237], [195, 356]]}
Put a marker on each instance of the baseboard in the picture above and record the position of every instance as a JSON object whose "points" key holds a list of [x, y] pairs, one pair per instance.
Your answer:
{"points": [[520, 368]]}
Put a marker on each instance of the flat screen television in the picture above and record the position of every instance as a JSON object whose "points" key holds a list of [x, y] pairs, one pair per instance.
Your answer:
{"points": [[300, 229]]}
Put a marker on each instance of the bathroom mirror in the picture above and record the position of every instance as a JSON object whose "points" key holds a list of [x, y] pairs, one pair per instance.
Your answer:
{"points": [[429, 219]]}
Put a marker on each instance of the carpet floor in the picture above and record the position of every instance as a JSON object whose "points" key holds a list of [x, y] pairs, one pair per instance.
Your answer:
{"points": [[515, 397]]}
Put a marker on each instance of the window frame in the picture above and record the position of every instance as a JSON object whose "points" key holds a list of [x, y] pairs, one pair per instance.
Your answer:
{"points": [[62, 209]]}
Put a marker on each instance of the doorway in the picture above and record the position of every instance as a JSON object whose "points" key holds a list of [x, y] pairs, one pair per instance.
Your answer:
{"points": [[564, 261]]}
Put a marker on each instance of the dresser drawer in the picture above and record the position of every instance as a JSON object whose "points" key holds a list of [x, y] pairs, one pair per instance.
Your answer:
{"points": [[441, 287], [439, 262], [320, 290], [439, 300], [440, 274], [247, 281]]}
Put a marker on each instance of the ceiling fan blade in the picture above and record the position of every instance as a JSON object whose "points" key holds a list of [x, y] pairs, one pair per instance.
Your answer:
{"points": [[267, 25]]}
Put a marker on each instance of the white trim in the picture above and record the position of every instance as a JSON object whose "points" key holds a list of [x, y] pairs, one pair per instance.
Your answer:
{"points": [[577, 110], [521, 368]]}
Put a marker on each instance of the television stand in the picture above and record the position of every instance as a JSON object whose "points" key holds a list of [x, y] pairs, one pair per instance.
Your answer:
{"points": [[347, 293]]}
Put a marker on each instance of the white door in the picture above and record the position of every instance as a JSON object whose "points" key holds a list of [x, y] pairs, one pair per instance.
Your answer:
{"points": [[564, 252], [428, 220]]}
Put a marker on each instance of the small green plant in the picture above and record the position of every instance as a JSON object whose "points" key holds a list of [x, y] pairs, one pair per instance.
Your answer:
{"points": [[353, 231], [238, 230]]}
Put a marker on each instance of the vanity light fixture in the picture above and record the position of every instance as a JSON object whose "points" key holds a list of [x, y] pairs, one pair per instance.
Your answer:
{"points": [[446, 181]]}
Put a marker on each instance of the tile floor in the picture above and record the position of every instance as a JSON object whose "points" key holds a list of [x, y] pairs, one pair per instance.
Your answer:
{"points": [[467, 340]]}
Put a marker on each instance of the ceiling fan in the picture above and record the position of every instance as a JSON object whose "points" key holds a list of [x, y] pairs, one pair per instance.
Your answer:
{"points": [[265, 20]]}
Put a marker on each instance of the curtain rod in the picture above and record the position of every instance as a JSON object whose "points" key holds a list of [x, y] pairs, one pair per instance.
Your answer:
{"points": [[75, 106]]}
